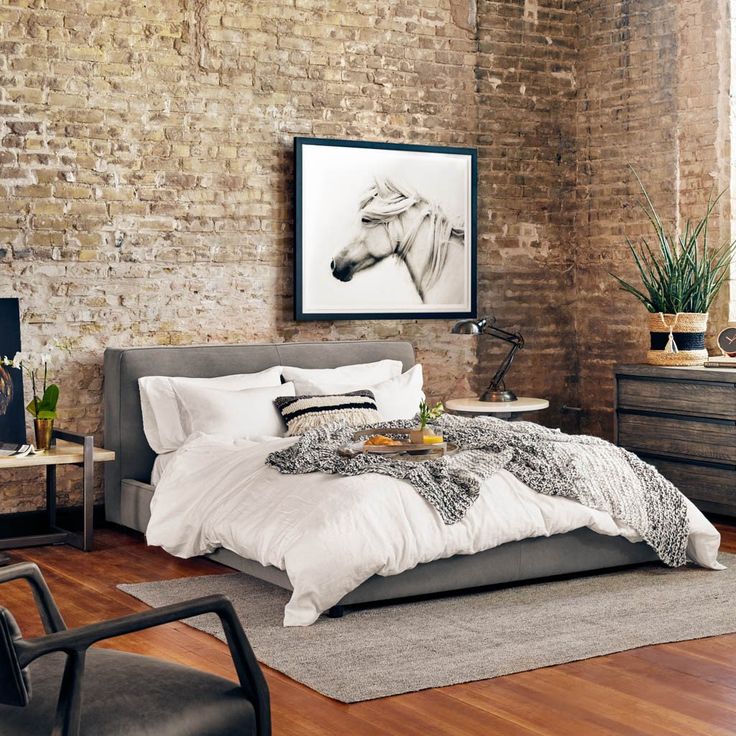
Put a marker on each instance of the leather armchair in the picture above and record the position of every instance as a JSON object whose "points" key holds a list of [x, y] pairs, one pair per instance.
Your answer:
{"points": [[57, 685]]}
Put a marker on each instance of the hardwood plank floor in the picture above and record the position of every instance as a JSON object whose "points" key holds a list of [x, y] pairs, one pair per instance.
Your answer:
{"points": [[683, 689]]}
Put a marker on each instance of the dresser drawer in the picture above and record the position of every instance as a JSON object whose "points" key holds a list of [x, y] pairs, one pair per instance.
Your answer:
{"points": [[699, 482], [694, 398], [687, 438]]}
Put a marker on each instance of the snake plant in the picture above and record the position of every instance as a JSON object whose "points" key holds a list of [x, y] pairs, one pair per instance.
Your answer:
{"points": [[681, 272]]}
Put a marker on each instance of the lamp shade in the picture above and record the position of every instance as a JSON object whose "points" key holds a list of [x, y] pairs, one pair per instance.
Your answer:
{"points": [[469, 326]]}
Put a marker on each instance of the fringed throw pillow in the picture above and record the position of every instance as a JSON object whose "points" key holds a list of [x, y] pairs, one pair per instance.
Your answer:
{"points": [[302, 413]]}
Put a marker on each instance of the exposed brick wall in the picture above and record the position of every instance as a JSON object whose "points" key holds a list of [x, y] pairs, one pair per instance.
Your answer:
{"points": [[653, 93], [704, 148], [147, 169], [526, 92], [626, 116]]}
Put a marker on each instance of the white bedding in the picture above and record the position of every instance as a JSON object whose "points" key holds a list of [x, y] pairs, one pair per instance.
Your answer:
{"points": [[331, 533], [159, 465]]}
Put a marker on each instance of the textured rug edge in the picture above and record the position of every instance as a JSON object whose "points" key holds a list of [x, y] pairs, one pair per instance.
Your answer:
{"points": [[138, 591]]}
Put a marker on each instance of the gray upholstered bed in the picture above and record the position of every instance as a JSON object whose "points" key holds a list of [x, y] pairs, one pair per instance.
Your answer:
{"points": [[128, 491]]}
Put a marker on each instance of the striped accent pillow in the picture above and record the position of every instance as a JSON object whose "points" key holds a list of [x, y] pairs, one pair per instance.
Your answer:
{"points": [[302, 413]]}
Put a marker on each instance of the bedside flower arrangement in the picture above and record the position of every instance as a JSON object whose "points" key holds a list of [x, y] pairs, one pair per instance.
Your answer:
{"points": [[42, 408], [427, 414]]}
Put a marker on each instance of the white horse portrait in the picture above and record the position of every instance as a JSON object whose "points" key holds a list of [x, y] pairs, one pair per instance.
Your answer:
{"points": [[394, 221], [384, 231]]}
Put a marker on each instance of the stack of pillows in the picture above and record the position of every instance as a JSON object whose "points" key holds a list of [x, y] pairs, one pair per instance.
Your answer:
{"points": [[276, 402]]}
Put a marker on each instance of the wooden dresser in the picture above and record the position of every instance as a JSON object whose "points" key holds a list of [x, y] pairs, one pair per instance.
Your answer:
{"points": [[683, 420]]}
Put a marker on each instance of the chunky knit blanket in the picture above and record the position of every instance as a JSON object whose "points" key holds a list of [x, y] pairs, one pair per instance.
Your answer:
{"points": [[586, 469]]}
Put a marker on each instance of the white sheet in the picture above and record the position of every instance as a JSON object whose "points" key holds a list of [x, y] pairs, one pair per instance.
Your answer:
{"points": [[159, 465], [331, 533]]}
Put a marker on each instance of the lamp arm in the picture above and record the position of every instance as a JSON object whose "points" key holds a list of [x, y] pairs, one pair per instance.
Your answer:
{"points": [[517, 343], [497, 383], [502, 334]]}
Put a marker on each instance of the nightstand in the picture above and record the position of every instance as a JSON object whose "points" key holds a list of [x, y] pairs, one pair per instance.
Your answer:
{"points": [[502, 409], [682, 420], [69, 449]]}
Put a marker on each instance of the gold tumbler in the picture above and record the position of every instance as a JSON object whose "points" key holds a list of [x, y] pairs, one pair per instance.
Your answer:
{"points": [[44, 432]]}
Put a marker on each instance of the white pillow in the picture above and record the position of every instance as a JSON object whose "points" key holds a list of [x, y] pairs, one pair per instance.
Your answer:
{"points": [[399, 398], [361, 374], [396, 398], [162, 422], [247, 413]]}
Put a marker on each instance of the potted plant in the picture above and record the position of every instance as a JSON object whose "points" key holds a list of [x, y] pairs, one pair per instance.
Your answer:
{"points": [[424, 434], [43, 408], [680, 277]]}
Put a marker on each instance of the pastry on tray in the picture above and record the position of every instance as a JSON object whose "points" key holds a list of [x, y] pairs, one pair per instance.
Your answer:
{"points": [[380, 440]]}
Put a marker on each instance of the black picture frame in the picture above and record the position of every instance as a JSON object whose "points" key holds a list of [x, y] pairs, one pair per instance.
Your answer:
{"points": [[304, 309], [12, 402]]}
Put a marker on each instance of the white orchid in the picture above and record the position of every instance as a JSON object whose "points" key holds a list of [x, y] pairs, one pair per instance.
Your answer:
{"points": [[45, 406], [17, 361], [32, 361]]}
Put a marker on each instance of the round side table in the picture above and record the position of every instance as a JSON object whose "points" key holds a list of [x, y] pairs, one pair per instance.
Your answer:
{"points": [[501, 409]]}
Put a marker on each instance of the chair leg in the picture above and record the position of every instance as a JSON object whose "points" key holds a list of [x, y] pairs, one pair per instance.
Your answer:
{"points": [[336, 612], [4, 559], [69, 707]]}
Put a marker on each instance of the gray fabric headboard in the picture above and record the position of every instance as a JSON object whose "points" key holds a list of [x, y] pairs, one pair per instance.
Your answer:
{"points": [[124, 366]]}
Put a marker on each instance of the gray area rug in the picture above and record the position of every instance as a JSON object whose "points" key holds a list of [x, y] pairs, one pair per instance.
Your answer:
{"points": [[386, 650]]}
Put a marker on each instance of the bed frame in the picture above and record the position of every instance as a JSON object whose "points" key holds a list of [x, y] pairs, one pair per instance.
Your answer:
{"points": [[128, 492]]}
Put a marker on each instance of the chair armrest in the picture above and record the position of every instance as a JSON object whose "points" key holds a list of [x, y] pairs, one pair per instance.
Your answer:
{"points": [[77, 641], [47, 608]]}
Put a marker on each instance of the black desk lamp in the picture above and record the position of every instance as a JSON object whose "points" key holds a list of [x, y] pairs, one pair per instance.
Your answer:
{"points": [[496, 390]]}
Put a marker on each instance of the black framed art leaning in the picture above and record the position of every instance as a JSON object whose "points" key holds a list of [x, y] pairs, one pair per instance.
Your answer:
{"points": [[12, 405], [384, 230]]}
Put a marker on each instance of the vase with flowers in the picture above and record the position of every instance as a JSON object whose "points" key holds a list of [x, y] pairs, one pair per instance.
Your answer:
{"points": [[42, 407], [425, 435]]}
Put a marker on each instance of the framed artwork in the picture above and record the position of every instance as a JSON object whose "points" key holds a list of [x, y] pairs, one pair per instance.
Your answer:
{"points": [[12, 406], [384, 231]]}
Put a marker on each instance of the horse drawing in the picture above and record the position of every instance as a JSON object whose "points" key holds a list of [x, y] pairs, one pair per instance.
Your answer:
{"points": [[6, 391], [395, 221]]}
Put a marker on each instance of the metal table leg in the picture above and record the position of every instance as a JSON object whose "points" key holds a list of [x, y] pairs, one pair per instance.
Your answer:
{"points": [[84, 540], [88, 491], [51, 495]]}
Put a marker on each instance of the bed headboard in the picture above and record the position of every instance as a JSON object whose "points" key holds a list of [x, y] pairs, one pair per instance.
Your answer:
{"points": [[124, 366]]}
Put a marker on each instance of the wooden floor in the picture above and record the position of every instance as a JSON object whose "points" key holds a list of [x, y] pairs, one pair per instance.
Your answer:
{"points": [[686, 689]]}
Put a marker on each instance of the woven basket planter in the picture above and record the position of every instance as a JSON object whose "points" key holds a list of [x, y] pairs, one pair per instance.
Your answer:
{"points": [[677, 339]]}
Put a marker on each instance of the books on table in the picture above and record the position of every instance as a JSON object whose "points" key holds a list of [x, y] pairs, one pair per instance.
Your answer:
{"points": [[12, 449], [720, 361]]}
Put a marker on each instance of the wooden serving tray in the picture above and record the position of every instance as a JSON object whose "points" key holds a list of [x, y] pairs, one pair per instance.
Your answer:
{"points": [[406, 451]]}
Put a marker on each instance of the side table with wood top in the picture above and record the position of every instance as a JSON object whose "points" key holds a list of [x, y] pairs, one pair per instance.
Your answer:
{"points": [[68, 449], [508, 410]]}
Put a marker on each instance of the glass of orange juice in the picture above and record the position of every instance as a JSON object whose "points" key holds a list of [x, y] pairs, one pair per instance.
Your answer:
{"points": [[433, 439]]}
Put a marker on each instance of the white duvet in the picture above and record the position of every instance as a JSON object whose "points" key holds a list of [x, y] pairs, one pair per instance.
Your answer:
{"points": [[331, 533]]}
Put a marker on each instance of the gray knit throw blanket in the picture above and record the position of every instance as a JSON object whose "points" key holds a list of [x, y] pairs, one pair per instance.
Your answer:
{"points": [[586, 469]]}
